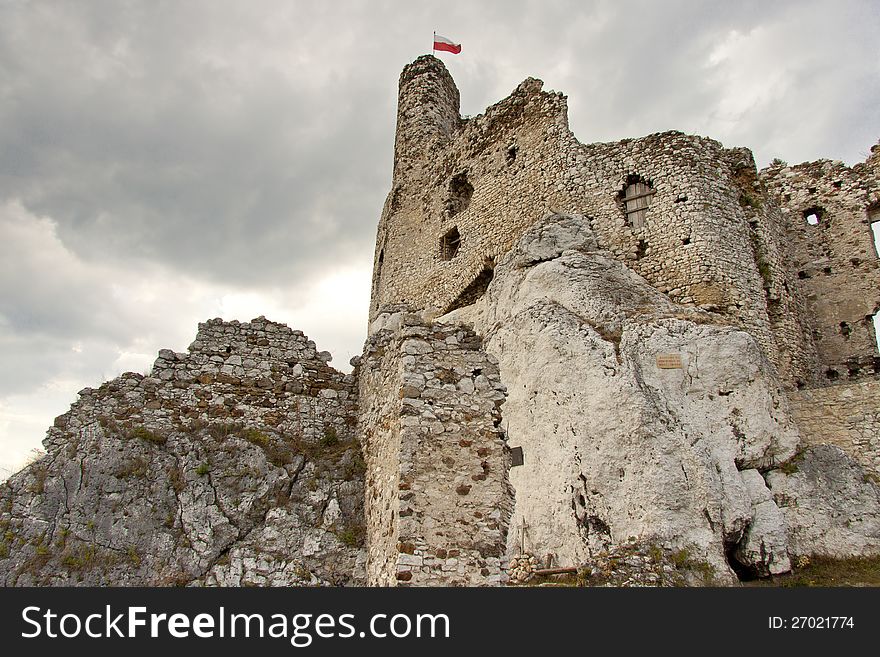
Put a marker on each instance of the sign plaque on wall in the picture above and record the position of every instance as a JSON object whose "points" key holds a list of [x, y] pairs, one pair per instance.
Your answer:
{"points": [[516, 456], [669, 361]]}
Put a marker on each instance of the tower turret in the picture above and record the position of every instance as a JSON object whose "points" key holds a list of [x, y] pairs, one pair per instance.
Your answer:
{"points": [[427, 110]]}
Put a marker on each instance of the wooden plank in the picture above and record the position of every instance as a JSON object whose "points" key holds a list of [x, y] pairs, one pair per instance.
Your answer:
{"points": [[650, 192], [636, 201], [554, 571]]}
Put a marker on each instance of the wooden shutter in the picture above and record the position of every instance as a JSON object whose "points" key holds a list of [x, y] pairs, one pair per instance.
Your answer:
{"points": [[638, 196]]}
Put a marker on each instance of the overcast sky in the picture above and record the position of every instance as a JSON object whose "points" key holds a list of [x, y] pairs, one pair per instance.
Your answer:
{"points": [[162, 163]]}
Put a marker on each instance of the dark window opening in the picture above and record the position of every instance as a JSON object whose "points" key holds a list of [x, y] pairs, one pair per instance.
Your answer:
{"points": [[460, 193], [826, 270], [641, 250], [635, 197], [831, 374], [812, 190], [472, 293], [813, 216], [381, 256], [802, 275], [837, 184], [686, 241], [845, 330], [449, 244], [511, 154]]}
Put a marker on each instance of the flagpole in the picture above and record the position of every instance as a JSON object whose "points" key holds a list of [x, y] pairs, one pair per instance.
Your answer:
{"points": [[433, 42]]}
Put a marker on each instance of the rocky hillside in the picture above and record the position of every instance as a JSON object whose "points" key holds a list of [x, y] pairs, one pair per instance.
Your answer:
{"points": [[233, 464]]}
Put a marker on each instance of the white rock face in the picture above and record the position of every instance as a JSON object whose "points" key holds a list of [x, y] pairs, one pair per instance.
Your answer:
{"points": [[614, 446], [765, 543], [831, 507]]}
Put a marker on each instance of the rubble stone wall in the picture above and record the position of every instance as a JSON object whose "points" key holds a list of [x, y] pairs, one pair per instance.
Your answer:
{"points": [[833, 257], [846, 415], [438, 501], [258, 372]]}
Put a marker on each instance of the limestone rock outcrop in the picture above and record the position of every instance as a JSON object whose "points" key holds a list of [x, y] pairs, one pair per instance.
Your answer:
{"points": [[830, 503], [617, 443], [233, 464]]}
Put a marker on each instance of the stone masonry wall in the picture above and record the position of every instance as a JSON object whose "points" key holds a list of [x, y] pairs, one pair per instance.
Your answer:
{"points": [[259, 372], [479, 183], [834, 261], [438, 497], [846, 415]]}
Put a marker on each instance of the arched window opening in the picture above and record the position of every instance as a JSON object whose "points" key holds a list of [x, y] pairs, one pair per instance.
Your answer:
{"points": [[449, 244], [636, 196]]}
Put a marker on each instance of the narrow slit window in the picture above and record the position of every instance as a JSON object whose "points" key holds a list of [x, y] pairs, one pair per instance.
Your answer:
{"points": [[872, 323], [874, 221], [636, 197], [449, 244]]}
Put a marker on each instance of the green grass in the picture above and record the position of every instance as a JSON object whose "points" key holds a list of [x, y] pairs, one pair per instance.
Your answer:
{"points": [[256, 437], [825, 571], [136, 467], [791, 465], [330, 439], [142, 433], [352, 536]]}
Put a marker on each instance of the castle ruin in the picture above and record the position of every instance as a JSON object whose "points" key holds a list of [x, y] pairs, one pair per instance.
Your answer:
{"points": [[573, 350]]}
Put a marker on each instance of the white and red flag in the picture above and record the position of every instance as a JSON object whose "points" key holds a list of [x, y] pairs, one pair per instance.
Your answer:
{"points": [[442, 43]]}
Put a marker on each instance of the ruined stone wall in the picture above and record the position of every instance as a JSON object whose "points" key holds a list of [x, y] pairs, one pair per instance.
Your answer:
{"points": [[259, 372], [438, 497], [706, 240], [846, 415], [465, 190], [380, 379], [833, 259], [480, 176]]}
